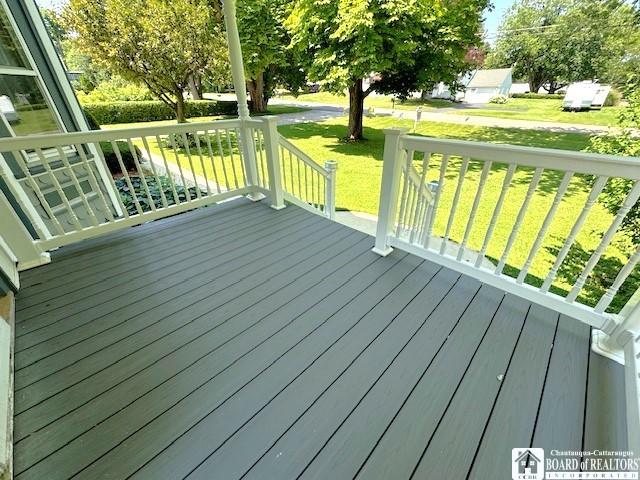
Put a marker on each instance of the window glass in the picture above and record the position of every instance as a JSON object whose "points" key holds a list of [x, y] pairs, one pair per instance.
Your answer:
{"points": [[11, 53], [25, 107]]}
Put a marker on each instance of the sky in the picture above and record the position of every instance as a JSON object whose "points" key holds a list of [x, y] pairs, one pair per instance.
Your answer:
{"points": [[493, 18]]}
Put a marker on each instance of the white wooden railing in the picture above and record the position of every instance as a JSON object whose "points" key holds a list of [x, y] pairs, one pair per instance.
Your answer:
{"points": [[426, 227], [64, 187], [305, 182]]}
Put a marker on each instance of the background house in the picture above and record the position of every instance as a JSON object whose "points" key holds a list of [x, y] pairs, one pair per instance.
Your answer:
{"points": [[486, 84]]}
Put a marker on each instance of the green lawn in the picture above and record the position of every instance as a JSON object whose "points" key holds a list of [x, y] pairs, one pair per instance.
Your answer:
{"points": [[377, 101], [545, 110]]}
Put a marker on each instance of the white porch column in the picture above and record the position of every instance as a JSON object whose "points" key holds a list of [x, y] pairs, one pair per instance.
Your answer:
{"points": [[235, 56], [240, 86]]}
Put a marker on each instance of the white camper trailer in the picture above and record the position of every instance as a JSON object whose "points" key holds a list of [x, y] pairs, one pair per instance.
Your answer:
{"points": [[601, 96], [584, 95]]}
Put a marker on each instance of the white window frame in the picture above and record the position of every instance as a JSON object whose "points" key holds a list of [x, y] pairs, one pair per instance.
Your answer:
{"points": [[31, 157]]}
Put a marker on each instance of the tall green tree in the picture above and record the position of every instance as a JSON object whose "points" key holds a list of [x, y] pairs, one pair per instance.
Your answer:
{"points": [[160, 43], [268, 59], [409, 45], [552, 43]]}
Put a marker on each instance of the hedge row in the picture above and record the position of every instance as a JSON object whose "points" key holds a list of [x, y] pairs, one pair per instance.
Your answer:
{"points": [[147, 111], [541, 96]]}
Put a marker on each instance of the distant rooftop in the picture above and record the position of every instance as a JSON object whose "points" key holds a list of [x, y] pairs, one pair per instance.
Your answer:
{"points": [[489, 78]]}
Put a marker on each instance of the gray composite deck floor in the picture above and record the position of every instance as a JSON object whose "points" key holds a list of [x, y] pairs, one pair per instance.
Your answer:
{"points": [[239, 341]]}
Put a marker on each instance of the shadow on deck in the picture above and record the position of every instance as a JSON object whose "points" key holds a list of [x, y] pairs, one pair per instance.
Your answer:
{"points": [[237, 340]]}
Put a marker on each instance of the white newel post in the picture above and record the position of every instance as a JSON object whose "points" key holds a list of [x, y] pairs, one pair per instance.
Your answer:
{"points": [[18, 239], [330, 192], [612, 345], [389, 189], [272, 148], [240, 86]]}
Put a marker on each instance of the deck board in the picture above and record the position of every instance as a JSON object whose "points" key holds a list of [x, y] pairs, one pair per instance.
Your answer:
{"points": [[238, 341]]}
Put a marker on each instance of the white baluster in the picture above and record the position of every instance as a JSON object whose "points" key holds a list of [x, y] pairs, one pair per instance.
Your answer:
{"points": [[496, 213], [241, 153], [174, 192], [519, 219], [233, 162], [77, 186], [204, 170], [454, 206], [223, 160], [404, 158], [184, 182], [474, 209], [152, 165], [422, 199], [143, 179], [597, 188], [562, 188], [187, 150], [436, 202], [93, 181]]}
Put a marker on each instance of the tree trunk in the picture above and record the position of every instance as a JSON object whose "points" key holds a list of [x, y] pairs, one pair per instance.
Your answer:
{"points": [[425, 95], [356, 111], [195, 87], [536, 81], [179, 108], [256, 93]]}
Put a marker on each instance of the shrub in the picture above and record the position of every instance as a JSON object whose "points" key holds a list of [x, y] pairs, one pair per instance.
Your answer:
{"points": [[125, 153], [613, 98], [116, 90], [154, 190], [498, 99], [147, 111], [91, 120], [539, 96]]}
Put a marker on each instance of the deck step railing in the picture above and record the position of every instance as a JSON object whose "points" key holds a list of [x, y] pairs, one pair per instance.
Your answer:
{"points": [[65, 191], [499, 213], [305, 182]]}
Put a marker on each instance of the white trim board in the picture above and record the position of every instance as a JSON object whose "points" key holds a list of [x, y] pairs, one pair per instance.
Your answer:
{"points": [[6, 387]]}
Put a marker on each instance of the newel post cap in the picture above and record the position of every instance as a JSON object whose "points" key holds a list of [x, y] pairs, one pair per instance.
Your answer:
{"points": [[395, 131], [331, 165]]}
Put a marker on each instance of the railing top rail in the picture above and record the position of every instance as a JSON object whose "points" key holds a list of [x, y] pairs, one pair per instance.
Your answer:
{"points": [[578, 162], [61, 139], [303, 156]]}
